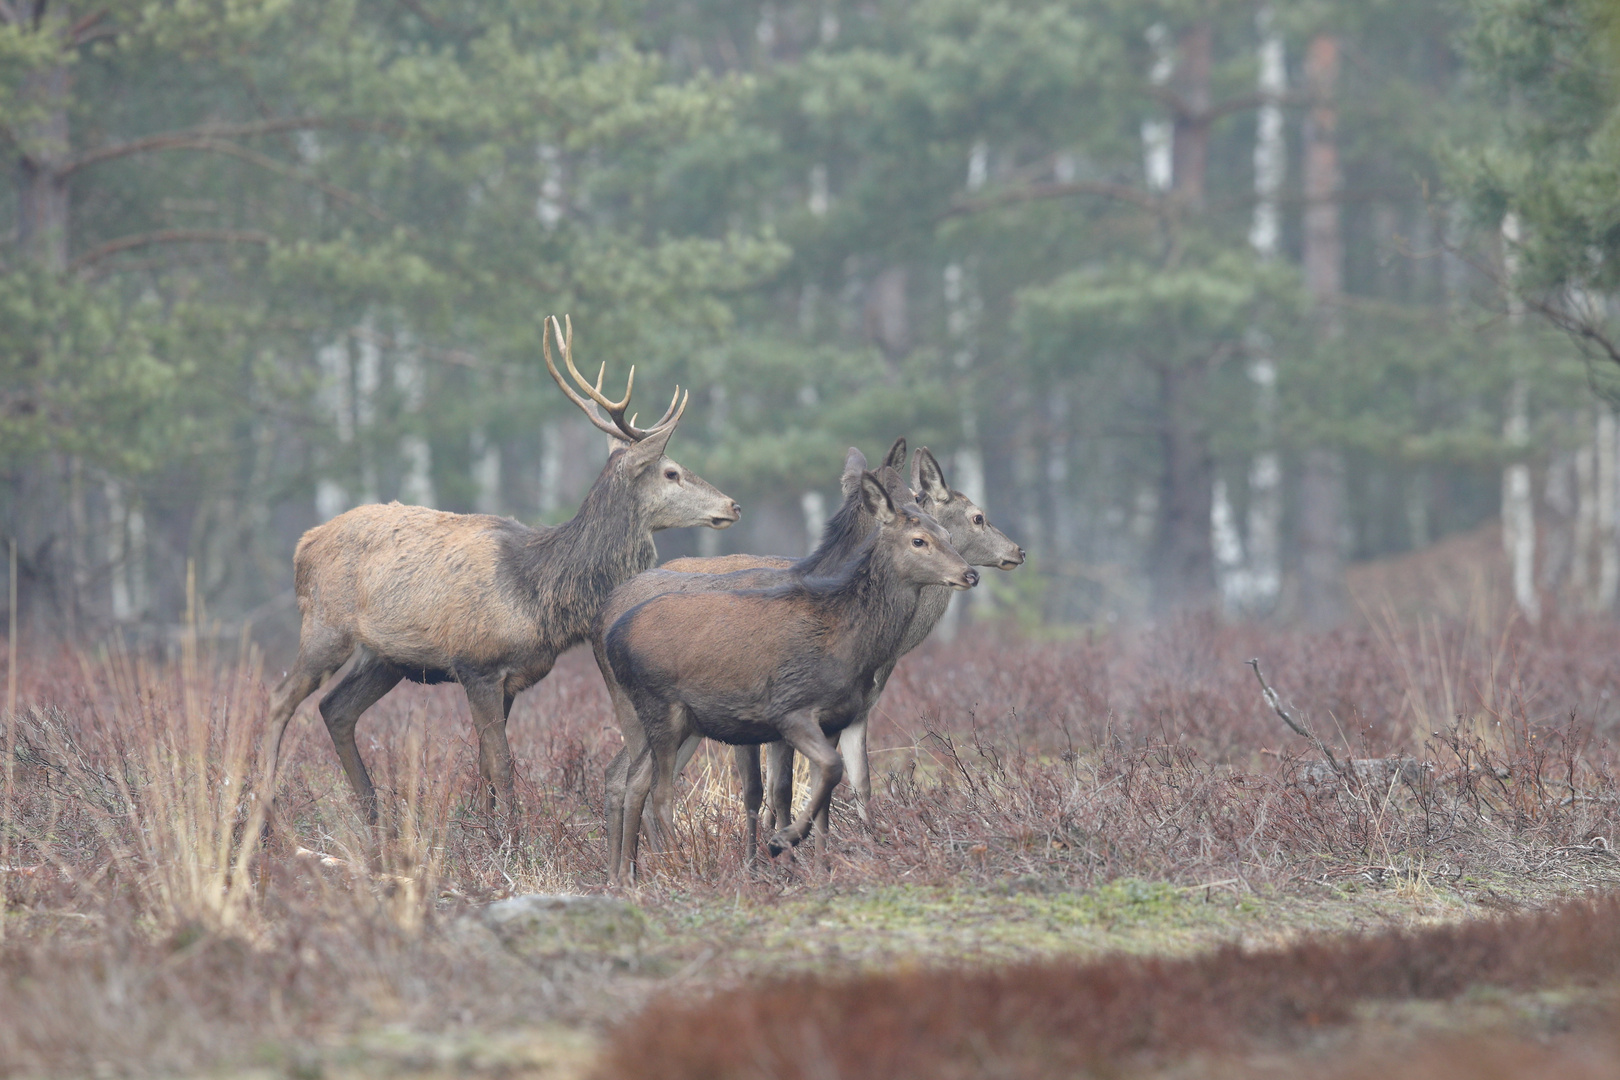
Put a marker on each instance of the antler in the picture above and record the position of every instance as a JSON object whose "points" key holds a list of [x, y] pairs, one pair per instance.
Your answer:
{"points": [[620, 428]]}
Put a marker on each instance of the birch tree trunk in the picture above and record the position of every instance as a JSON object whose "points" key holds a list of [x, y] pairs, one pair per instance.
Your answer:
{"points": [[967, 475], [1252, 589], [1518, 506], [1608, 577], [1584, 530]]}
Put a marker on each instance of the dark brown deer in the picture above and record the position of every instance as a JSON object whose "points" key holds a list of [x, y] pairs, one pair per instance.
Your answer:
{"points": [[977, 541], [845, 533], [789, 663], [419, 594], [971, 533]]}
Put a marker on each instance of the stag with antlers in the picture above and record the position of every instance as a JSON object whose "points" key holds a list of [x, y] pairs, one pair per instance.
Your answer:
{"points": [[413, 593]]}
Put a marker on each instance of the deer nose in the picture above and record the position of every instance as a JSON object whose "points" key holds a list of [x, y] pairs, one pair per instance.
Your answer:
{"points": [[972, 577]]}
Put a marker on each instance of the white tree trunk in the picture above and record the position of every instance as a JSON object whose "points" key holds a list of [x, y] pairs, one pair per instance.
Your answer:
{"points": [[331, 494], [1604, 503], [1251, 575], [1157, 160], [1584, 531], [486, 470], [416, 486], [367, 382], [1518, 505], [123, 601], [814, 506]]}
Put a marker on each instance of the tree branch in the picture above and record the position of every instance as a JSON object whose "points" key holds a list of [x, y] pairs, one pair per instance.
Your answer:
{"points": [[264, 161], [169, 236], [77, 34], [173, 140], [1584, 330], [1298, 729], [1147, 201], [1184, 112]]}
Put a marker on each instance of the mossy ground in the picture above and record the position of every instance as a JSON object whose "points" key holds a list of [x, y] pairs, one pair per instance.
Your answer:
{"points": [[697, 942]]}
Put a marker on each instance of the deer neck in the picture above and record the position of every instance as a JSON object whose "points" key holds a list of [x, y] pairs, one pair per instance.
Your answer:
{"points": [[874, 608], [574, 568]]}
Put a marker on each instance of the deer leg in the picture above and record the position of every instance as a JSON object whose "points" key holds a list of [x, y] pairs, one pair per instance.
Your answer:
{"points": [[779, 770], [490, 705], [852, 748], [369, 679], [803, 731], [667, 745], [618, 772], [615, 789], [638, 783], [747, 759], [320, 652], [633, 803]]}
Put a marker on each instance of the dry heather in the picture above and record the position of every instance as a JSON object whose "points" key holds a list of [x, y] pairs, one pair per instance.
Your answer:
{"points": [[1063, 1019], [146, 930]]}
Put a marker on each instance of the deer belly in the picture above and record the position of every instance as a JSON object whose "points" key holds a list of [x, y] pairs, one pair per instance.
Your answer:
{"points": [[734, 729]]}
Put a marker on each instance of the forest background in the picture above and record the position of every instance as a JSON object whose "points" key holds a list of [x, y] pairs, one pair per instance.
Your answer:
{"points": [[1203, 300]]}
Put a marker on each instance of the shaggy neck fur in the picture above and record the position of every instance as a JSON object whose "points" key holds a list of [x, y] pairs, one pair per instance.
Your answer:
{"points": [[846, 531], [870, 602], [572, 569]]}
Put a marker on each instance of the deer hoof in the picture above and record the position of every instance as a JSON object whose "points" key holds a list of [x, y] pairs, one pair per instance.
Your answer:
{"points": [[779, 843]]}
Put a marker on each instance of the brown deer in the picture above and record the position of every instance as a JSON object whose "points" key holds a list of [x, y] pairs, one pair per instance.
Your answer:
{"points": [[789, 663], [977, 541], [419, 594], [971, 533], [846, 531]]}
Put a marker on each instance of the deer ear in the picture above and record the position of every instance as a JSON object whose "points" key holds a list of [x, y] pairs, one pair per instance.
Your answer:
{"points": [[649, 450], [928, 479], [854, 465], [876, 498], [895, 485], [896, 457]]}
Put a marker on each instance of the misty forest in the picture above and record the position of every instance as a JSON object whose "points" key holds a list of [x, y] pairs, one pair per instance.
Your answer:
{"points": [[1272, 347]]}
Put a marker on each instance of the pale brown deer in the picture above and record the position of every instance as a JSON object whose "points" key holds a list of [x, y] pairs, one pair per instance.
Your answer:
{"points": [[789, 663], [419, 594]]}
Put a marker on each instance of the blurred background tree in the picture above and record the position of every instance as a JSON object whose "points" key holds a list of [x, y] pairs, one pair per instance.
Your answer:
{"points": [[1204, 299]]}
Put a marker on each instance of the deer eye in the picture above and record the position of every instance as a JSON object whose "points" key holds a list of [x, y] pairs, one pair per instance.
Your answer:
{"points": [[978, 519], [917, 541], [672, 474]]}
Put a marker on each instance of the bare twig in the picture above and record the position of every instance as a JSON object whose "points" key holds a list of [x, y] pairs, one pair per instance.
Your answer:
{"points": [[1298, 729], [187, 139], [1143, 200], [169, 236]]}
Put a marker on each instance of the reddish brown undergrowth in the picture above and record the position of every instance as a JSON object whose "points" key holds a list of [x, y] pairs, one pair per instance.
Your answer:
{"points": [[143, 922], [1058, 1019]]}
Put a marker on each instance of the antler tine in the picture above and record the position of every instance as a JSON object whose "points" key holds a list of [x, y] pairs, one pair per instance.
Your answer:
{"points": [[620, 427], [662, 420], [615, 409], [673, 420], [587, 407]]}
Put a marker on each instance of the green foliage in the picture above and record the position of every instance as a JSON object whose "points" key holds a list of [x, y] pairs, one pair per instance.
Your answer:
{"points": [[715, 193]]}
